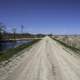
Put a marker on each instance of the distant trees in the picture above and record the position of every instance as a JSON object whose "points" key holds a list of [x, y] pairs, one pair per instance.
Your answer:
{"points": [[50, 35], [4, 34], [39, 35]]}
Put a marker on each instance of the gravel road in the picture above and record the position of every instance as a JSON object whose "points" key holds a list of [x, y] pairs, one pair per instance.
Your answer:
{"points": [[46, 60]]}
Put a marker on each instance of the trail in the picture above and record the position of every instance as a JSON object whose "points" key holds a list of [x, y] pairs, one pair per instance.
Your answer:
{"points": [[47, 60]]}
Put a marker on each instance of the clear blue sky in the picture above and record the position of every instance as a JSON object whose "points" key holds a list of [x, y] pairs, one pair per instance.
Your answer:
{"points": [[41, 16]]}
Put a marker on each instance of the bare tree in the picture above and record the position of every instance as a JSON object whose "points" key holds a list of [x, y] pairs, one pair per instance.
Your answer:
{"points": [[2, 30]]}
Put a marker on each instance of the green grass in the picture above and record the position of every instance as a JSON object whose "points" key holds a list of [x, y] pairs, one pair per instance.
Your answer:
{"points": [[68, 46], [6, 55]]}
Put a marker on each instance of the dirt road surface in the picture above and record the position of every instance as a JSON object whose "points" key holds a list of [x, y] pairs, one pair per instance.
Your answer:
{"points": [[46, 60]]}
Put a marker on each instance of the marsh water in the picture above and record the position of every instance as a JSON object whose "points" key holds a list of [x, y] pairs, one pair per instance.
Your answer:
{"points": [[12, 44]]}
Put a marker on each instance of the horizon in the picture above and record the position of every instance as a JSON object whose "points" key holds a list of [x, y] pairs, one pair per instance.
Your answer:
{"points": [[41, 16]]}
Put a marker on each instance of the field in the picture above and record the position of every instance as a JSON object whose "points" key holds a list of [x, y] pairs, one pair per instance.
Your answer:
{"points": [[71, 40]]}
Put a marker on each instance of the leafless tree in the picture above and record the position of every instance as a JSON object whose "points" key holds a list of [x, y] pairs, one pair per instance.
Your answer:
{"points": [[2, 30]]}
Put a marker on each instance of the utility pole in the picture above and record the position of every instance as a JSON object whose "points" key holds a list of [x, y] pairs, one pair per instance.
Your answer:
{"points": [[22, 27], [14, 33]]}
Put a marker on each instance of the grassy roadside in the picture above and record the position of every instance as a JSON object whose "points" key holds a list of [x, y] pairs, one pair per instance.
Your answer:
{"points": [[67, 46], [6, 55]]}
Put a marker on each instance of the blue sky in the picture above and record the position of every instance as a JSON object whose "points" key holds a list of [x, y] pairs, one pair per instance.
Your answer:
{"points": [[41, 16]]}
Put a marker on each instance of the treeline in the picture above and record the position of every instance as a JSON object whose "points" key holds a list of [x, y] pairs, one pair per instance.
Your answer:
{"points": [[19, 35], [5, 35]]}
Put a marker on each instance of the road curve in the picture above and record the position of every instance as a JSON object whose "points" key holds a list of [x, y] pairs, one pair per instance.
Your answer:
{"points": [[47, 60]]}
